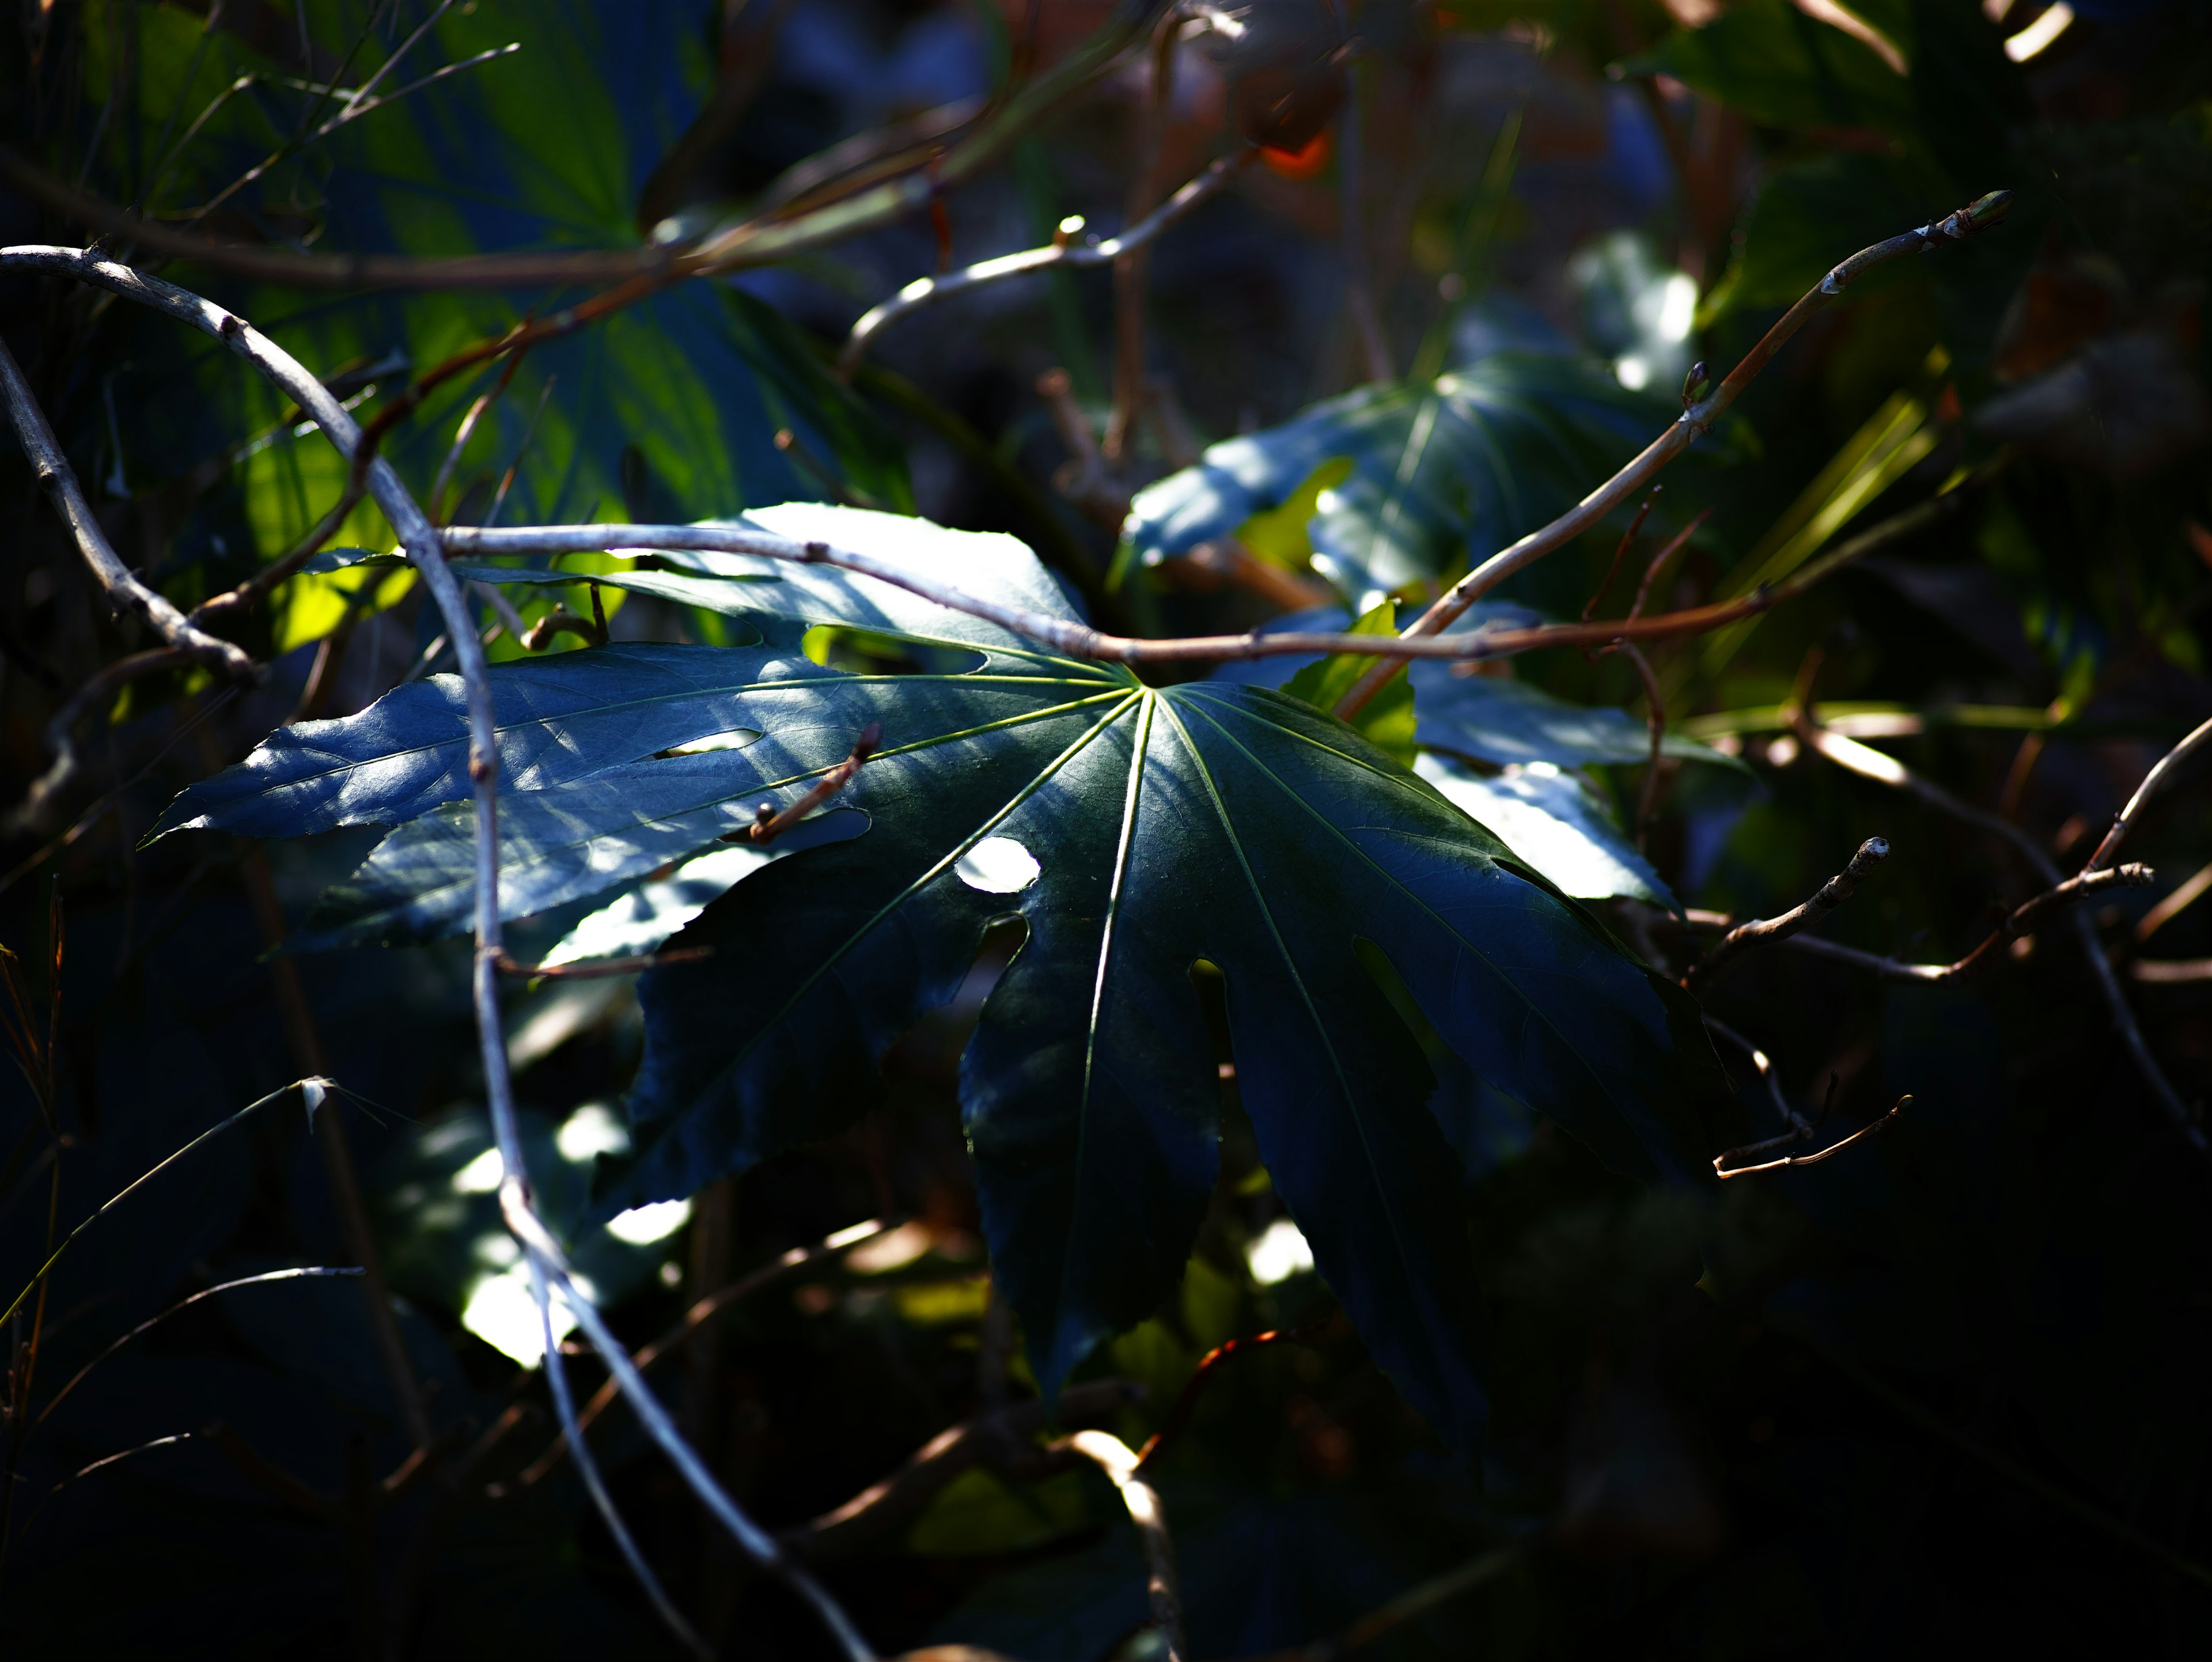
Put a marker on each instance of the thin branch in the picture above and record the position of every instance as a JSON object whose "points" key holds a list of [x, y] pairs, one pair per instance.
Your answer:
{"points": [[1414, 1601], [1062, 251], [420, 539], [1800, 1126], [564, 1407], [55, 1401], [766, 240], [125, 591], [1171, 1428], [1656, 719], [1620, 549], [1130, 268], [602, 969], [880, 1507], [61, 732], [142, 1180], [2016, 924], [1112, 1457], [1695, 420], [1081, 641], [2171, 971], [1830, 895], [1832, 1149], [762, 1548], [694, 1323], [1868, 763], [771, 823], [2157, 777]]}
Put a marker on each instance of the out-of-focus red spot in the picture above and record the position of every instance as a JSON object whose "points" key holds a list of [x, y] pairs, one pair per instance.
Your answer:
{"points": [[1301, 163]]}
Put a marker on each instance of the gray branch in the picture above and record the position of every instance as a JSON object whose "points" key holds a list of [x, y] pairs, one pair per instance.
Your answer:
{"points": [[124, 590]]}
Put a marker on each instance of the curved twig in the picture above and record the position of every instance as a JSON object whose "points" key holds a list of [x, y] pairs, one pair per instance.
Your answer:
{"points": [[1695, 420], [850, 1527], [124, 590], [1830, 895], [694, 1323], [1171, 1428], [1081, 641], [55, 1401], [1059, 252], [1114, 1457], [2157, 777], [1833, 1149], [755, 242], [1869, 764], [419, 538]]}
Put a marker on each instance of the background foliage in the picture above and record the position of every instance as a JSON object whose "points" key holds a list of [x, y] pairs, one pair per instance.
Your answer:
{"points": [[1943, 1389]]}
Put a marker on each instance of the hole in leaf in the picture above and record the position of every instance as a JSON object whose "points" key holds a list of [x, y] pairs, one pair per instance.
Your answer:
{"points": [[859, 652], [998, 865], [735, 739]]}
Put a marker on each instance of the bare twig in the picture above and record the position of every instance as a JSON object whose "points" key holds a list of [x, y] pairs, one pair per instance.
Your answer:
{"points": [[1695, 420], [944, 1457], [1620, 549], [1414, 1601], [564, 1407], [1062, 251], [142, 1180], [2157, 777], [2191, 890], [55, 1401], [1081, 641], [1830, 895], [1112, 1457], [770, 824], [2171, 971], [1179, 1415], [1869, 764], [1800, 1126], [1833, 1149], [1656, 719], [2015, 925], [694, 1323], [1131, 266], [61, 732], [125, 591], [420, 539], [765, 240]]}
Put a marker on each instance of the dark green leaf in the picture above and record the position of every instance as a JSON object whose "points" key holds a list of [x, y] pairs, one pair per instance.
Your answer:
{"points": [[1442, 474]]}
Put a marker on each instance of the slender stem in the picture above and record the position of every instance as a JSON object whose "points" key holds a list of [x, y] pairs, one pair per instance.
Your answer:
{"points": [[124, 590], [2156, 777], [420, 539], [1114, 1457], [1869, 764], [564, 1408], [1081, 641], [765, 240], [1830, 895], [927, 291], [1695, 420]]}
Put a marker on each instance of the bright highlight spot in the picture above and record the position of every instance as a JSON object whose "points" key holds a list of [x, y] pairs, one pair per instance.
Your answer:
{"points": [[504, 1313], [1278, 1253], [893, 1250], [2039, 35], [591, 1130], [641, 1225], [998, 865], [480, 1176]]}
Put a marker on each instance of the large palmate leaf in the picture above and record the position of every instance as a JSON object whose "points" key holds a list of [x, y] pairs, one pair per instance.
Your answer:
{"points": [[1136, 833], [1443, 473], [1549, 818]]}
